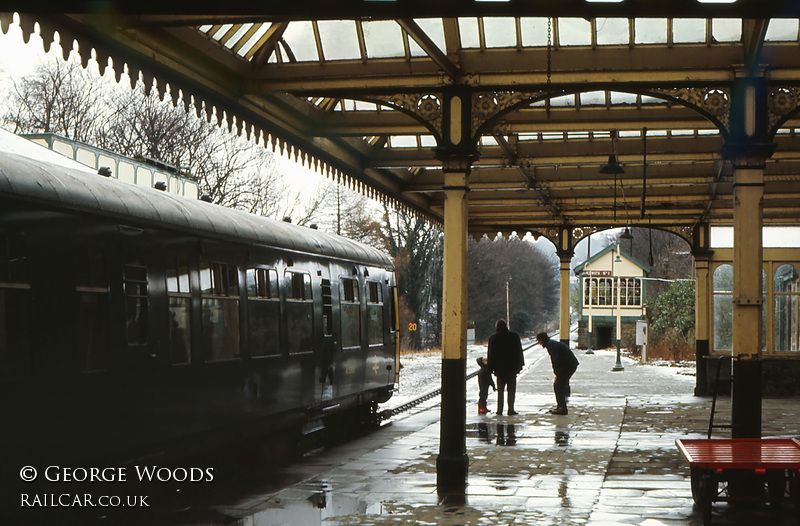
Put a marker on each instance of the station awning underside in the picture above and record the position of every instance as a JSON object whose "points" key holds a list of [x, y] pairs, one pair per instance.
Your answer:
{"points": [[553, 92]]}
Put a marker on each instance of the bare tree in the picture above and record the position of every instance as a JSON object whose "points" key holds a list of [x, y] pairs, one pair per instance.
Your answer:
{"points": [[59, 97]]}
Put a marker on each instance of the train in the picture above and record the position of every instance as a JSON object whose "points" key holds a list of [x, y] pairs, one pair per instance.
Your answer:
{"points": [[139, 324]]}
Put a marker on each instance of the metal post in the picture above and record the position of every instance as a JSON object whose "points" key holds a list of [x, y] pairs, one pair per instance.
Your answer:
{"points": [[617, 366]]}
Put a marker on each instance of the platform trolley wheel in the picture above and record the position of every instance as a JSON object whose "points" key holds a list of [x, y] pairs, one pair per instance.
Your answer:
{"points": [[705, 487], [776, 484]]}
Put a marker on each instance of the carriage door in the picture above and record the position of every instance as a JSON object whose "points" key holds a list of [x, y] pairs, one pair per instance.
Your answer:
{"points": [[328, 341]]}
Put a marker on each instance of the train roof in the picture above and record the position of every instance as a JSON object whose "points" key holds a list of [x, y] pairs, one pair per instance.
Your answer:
{"points": [[30, 172]]}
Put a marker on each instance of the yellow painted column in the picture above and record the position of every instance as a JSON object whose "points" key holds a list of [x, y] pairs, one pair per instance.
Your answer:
{"points": [[702, 316], [452, 462], [748, 197], [454, 339], [564, 298]]}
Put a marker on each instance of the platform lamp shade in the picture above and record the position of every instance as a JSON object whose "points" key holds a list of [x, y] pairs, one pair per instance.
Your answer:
{"points": [[626, 234], [612, 167]]}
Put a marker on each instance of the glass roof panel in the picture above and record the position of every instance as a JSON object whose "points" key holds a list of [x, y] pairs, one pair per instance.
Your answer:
{"points": [[221, 31], [650, 31], [339, 39], [367, 106], [432, 27], [646, 99], [574, 32], [299, 36], [238, 35], [500, 32], [534, 31], [245, 49], [468, 31], [403, 141], [726, 29], [593, 98], [688, 30], [782, 29], [563, 102], [383, 39], [427, 141], [622, 98], [612, 31]]}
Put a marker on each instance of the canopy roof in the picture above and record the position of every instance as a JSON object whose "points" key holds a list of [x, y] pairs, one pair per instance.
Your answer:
{"points": [[357, 88]]}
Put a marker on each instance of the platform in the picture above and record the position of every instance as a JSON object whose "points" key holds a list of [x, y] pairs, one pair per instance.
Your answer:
{"points": [[612, 460]]}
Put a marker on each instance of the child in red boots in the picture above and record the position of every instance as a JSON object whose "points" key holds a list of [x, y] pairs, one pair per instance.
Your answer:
{"points": [[484, 381]]}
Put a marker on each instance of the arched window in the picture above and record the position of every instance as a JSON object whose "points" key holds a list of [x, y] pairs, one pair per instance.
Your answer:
{"points": [[723, 308], [787, 309]]}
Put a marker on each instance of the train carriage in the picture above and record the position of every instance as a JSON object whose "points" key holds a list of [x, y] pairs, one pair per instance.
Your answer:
{"points": [[136, 322]]}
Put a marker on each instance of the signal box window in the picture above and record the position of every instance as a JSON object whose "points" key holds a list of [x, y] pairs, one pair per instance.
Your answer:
{"points": [[91, 286], [350, 309], [299, 312], [263, 311], [180, 307], [374, 313], [16, 307], [134, 277], [219, 289]]}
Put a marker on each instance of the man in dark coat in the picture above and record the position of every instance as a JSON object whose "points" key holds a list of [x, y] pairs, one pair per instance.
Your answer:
{"points": [[564, 366], [506, 361]]}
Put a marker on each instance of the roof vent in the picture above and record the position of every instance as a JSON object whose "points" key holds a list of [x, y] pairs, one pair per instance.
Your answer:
{"points": [[206, 198], [105, 171], [314, 226], [160, 185], [287, 219]]}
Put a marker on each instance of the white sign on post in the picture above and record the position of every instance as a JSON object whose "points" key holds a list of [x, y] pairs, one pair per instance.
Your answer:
{"points": [[641, 337], [641, 332]]}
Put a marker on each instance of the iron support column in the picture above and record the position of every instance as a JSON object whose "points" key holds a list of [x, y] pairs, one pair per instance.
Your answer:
{"points": [[748, 148], [701, 314], [564, 299], [452, 462], [565, 251]]}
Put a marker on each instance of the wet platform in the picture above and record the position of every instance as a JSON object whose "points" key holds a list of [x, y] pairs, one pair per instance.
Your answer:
{"points": [[611, 460]]}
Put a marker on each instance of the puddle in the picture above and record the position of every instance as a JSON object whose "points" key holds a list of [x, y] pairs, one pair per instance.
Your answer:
{"points": [[492, 433]]}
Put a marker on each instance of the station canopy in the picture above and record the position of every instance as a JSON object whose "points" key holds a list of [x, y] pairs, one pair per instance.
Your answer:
{"points": [[356, 89]]}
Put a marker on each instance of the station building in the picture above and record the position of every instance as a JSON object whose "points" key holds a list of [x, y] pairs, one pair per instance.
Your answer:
{"points": [[612, 298]]}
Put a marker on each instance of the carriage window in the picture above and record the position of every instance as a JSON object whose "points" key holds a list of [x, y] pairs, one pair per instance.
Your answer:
{"points": [[16, 307], [91, 287], [299, 312], [350, 310], [298, 285], [374, 313], [219, 288], [263, 311], [787, 309], [180, 302], [134, 276]]}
